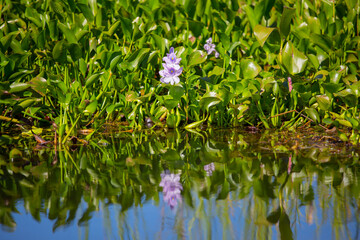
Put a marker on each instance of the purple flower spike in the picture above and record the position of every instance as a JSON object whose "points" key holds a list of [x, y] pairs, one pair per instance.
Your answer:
{"points": [[210, 47], [170, 73], [171, 57], [172, 70]]}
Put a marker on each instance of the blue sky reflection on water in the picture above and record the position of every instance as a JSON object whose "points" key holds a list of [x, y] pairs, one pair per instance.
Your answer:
{"points": [[215, 219]]}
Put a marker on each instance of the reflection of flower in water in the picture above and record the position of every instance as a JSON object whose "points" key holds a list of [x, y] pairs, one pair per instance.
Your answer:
{"points": [[209, 168], [171, 188], [289, 165]]}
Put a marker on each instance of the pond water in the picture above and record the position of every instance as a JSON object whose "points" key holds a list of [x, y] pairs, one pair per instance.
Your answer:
{"points": [[182, 185]]}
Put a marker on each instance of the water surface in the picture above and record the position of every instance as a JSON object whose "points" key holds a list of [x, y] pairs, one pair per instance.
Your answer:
{"points": [[182, 185]]}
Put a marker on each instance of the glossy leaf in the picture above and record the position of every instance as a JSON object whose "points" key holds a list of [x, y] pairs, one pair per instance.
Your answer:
{"points": [[293, 60], [262, 33], [249, 68]]}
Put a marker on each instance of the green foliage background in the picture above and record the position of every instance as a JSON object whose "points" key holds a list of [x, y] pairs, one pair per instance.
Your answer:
{"points": [[78, 64]]}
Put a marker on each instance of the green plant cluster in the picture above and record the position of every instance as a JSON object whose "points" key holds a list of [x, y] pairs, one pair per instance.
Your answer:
{"points": [[78, 64]]}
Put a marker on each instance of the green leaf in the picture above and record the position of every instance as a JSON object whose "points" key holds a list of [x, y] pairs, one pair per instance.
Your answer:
{"points": [[91, 108], [18, 87], [323, 101], [137, 57], [40, 85], [322, 41], [70, 36], [194, 124], [262, 33], [313, 114], [216, 71], [196, 57], [285, 21], [196, 27], [209, 100], [176, 91], [293, 60], [75, 51], [91, 79], [59, 52], [85, 9], [113, 27], [249, 68], [126, 26]]}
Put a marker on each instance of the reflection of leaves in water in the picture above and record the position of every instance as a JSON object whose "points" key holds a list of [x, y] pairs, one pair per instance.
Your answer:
{"points": [[274, 216], [128, 174], [86, 215], [284, 226], [263, 188]]}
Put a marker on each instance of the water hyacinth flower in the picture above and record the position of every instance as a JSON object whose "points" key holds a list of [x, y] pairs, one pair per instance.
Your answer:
{"points": [[171, 57], [171, 188], [170, 73], [209, 168], [172, 70], [210, 47]]}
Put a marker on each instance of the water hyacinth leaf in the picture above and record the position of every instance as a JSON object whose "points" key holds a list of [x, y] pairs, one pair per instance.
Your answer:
{"points": [[160, 43], [69, 34], [348, 96], [196, 27], [251, 16], [91, 79], [85, 9], [196, 57], [249, 68], [335, 77], [206, 102], [114, 62], [20, 74], [7, 39], [59, 52], [130, 96], [113, 28], [91, 108], [194, 124], [322, 41], [18, 87], [323, 101], [39, 84], [225, 40], [332, 87], [216, 71], [293, 60], [126, 26], [137, 57], [173, 120], [285, 21], [313, 114], [33, 16], [176, 91], [262, 33], [29, 102], [75, 51]]}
